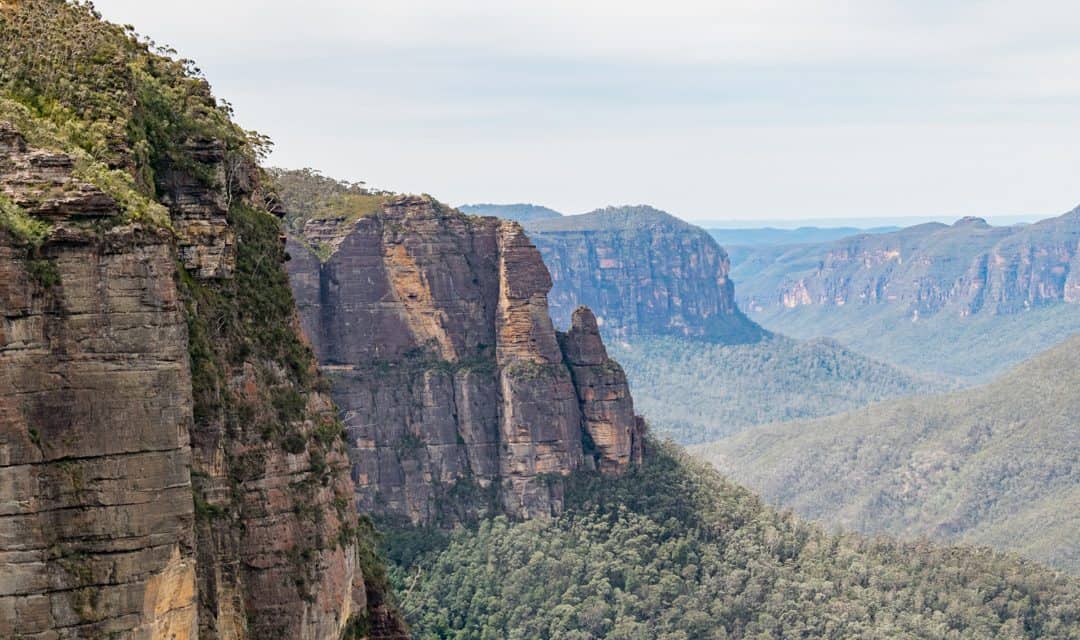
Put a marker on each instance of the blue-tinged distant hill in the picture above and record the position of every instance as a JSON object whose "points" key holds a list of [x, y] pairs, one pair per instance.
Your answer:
{"points": [[965, 300], [729, 238], [520, 212]]}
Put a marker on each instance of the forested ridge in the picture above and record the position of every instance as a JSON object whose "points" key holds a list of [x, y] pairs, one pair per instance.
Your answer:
{"points": [[697, 391], [675, 551], [997, 464]]}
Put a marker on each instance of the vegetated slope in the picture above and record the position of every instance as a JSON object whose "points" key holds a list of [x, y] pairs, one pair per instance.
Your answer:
{"points": [[968, 350], [674, 551], [516, 212], [935, 298], [643, 272], [998, 464], [171, 463], [769, 236], [696, 392]]}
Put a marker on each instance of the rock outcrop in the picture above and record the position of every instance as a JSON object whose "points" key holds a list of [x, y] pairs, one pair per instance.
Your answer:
{"points": [[643, 272], [164, 473], [435, 330], [612, 429], [965, 269]]}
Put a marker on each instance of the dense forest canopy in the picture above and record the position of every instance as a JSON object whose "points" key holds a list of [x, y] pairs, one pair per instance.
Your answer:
{"points": [[675, 551], [997, 465], [697, 391]]}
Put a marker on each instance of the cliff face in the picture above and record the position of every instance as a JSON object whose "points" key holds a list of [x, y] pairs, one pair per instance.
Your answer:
{"points": [[435, 330], [967, 268], [165, 474], [643, 272]]}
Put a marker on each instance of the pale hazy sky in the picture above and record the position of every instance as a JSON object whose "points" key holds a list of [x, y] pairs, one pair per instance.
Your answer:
{"points": [[710, 110]]}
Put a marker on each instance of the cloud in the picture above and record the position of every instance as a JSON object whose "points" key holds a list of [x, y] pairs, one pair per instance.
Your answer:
{"points": [[711, 109]]}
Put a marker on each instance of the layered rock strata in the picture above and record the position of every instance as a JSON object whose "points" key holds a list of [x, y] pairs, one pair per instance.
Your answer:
{"points": [[643, 272], [163, 472], [435, 329], [964, 269]]}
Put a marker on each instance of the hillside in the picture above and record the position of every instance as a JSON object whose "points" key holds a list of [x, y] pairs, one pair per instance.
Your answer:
{"points": [[948, 300], [696, 392], [643, 272], [674, 551], [996, 465], [517, 212]]}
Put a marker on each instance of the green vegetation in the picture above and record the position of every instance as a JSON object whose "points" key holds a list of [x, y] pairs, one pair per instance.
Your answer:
{"points": [[108, 92], [22, 226], [306, 194], [963, 302], [136, 120], [697, 391], [970, 350], [674, 551], [631, 217], [996, 465]]}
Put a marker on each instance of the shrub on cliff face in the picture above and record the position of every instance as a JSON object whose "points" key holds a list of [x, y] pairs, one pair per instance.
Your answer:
{"points": [[672, 550]]}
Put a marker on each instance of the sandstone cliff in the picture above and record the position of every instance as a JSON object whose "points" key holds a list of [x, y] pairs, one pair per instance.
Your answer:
{"points": [[170, 463], [131, 506], [458, 399], [644, 272], [965, 269]]}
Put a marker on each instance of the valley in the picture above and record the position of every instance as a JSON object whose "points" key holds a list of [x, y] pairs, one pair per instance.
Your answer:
{"points": [[994, 465], [964, 301], [240, 402]]}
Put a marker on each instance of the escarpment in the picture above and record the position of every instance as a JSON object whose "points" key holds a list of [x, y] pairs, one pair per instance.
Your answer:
{"points": [[643, 272], [96, 513], [457, 397], [171, 465], [964, 269], [170, 469]]}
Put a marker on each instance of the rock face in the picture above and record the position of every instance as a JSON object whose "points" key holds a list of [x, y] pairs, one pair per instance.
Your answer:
{"points": [[643, 272], [96, 515], [965, 269], [163, 474], [457, 397], [612, 428]]}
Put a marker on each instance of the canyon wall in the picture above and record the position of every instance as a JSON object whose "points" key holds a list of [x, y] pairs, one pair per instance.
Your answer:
{"points": [[643, 272], [966, 268], [169, 467], [458, 399]]}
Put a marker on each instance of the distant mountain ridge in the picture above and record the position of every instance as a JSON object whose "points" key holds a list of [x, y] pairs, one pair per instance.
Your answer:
{"points": [[729, 238], [965, 301], [643, 272], [968, 268], [997, 464], [520, 212]]}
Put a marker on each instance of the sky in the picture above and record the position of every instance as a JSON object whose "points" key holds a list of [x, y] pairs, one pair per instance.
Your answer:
{"points": [[721, 110]]}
